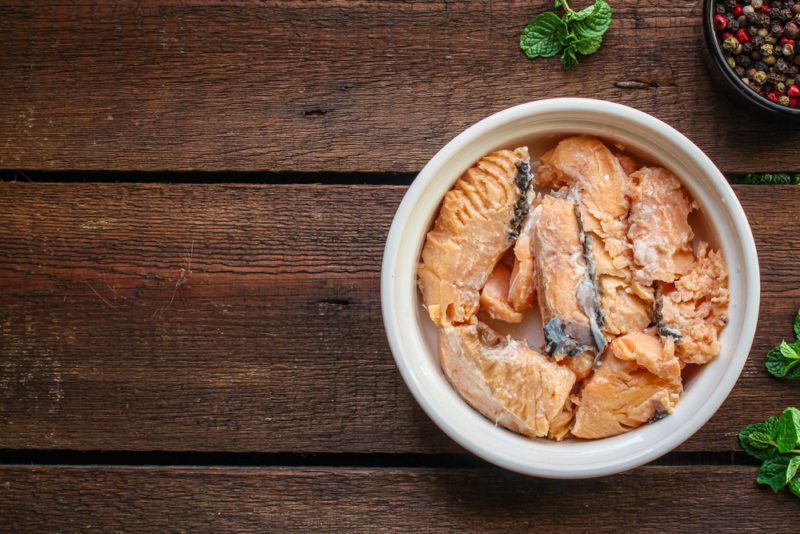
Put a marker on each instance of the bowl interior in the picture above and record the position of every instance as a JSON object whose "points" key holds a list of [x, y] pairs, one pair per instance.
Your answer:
{"points": [[413, 338]]}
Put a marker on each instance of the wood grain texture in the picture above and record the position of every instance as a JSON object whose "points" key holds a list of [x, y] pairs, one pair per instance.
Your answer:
{"points": [[650, 499], [330, 85], [247, 318]]}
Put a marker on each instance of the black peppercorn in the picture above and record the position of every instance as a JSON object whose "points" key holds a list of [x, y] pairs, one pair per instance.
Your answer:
{"points": [[747, 47], [744, 61], [763, 20], [758, 41], [760, 65], [785, 14], [719, 9], [781, 65], [734, 26], [730, 4]]}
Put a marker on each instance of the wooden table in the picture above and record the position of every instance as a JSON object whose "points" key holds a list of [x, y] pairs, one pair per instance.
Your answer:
{"points": [[193, 209]]}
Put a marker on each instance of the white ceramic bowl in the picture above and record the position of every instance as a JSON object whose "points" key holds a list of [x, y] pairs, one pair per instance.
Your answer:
{"points": [[412, 336]]}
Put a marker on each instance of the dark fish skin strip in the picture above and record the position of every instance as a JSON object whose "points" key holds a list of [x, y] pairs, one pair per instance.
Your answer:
{"points": [[558, 341], [596, 319], [523, 181]]}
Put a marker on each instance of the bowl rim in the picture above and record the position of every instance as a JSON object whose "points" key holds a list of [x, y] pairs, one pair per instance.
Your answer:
{"points": [[727, 72], [415, 378]]}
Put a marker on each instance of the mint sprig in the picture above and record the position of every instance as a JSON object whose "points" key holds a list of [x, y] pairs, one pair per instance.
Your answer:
{"points": [[776, 441], [576, 32], [783, 361]]}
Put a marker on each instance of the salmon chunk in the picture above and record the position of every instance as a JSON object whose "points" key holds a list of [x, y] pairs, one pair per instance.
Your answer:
{"points": [[563, 287], [494, 296], [659, 226], [693, 311], [522, 288], [505, 380], [594, 176], [639, 381], [479, 220]]}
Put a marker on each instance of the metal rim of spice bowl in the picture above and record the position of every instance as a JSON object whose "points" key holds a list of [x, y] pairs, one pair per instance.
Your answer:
{"points": [[725, 76]]}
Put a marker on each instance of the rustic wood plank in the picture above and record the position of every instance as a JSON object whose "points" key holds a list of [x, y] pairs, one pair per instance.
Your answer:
{"points": [[247, 318], [330, 85], [431, 500]]}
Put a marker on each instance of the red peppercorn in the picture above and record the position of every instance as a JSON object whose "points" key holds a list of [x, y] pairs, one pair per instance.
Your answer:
{"points": [[720, 22], [793, 91], [726, 35], [765, 8], [786, 40], [793, 102], [742, 35], [773, 96], [737, 10]]}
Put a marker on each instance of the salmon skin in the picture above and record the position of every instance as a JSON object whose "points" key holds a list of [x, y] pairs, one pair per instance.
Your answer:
{"points": [[479, 219], [693, 310], [564, 290], [587, 171], [505, 380]]}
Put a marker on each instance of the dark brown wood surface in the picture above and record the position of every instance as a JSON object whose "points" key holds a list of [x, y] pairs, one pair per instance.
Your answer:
{"points": [[330, 85], [247, 318], [211, 356], [650, 499]]}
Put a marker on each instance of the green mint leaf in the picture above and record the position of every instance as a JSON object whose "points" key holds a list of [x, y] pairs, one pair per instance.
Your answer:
{"points": [[797, 325], [783, 361], [568, 58], [595, 24], [787, 430], [788, 351], [757, 439], [588, 45], [540, 38], [794, 486], [777, 471], [583, 13]]}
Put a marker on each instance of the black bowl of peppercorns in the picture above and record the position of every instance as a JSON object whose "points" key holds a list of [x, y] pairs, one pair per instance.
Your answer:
{"points": [[753, 51]]}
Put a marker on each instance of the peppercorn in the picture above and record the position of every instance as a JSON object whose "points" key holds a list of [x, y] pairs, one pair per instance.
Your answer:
{"points": [[733, 25], [796, 9], [747, 10], [760, 77], [791, 29], [772, 78], [730, 44], [744, 60], [780, 87], [719, 9], [788, 49], [760, 65], [770, 60], [781, 65], [747, 47], [785, 14], [773, 96], [776, 29], [793, 91], [766, 49], [793, 102], [783, 100], [758, 41], [757, 4]]}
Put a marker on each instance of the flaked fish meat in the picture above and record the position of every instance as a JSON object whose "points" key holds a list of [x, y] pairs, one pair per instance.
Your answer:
{"points": [[479, 220]]}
